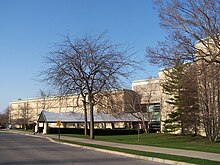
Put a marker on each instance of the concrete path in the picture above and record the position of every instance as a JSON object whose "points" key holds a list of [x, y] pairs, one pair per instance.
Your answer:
{"points": [[178, 152]]}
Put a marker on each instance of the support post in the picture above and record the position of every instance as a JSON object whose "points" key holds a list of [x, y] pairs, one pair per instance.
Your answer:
{"points": [[45, 128], [36, 127]]}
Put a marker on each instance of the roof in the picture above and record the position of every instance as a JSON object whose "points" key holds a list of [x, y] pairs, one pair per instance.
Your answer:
{"points": [[71, 117], [52, 117]]}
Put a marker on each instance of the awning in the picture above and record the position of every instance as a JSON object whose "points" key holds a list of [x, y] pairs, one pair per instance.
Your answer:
{"points": [[73, 117]]}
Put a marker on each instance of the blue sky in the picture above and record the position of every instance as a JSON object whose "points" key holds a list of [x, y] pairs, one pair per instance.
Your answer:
{"points": [[28, 29]]}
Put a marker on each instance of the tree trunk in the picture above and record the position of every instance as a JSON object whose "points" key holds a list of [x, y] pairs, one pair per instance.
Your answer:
{"points": [[85, 117], [145, 128], [91, 123], [91, 106]]}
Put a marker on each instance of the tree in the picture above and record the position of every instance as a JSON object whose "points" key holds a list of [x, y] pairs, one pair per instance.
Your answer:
{"points": [[188, 22], [46, 103], [172, 124], [87, 66], [24, 115], [190, 101], [110, 102], [141, 104], [180, 85], [172, 86], [209, 100], [193, 36], [4, 118]]}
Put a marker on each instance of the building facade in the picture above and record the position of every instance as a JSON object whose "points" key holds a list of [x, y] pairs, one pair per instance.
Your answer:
{"points": [[150, 102], [23, 113]]}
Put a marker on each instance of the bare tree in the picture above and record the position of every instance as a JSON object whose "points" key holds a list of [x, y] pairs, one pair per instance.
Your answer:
{"points": [[142, 101], [49, 100], [44, 96], [46, 103], [4, 118], [189, 105], [193, 28], [87, 66], [188, 23], [209, 100], [25, 115], [110, 102]]}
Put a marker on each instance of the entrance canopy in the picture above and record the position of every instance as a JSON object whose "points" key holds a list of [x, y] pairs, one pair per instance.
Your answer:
{"points": [[73, 117]]}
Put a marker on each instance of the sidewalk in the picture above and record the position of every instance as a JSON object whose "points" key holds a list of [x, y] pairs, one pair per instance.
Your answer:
{"points": [[178, 152]]}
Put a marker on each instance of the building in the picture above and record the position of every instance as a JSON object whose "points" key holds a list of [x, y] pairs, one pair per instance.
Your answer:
{"points": [[150, 103], [146, 95], [154, 100], [23, 113]]}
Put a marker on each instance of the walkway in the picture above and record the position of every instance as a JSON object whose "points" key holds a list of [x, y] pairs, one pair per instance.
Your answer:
{"points": [[178, 152]]}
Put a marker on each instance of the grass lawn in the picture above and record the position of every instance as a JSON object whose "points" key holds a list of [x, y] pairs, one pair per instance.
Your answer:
{"points": [[187, 142], [150, 154]]}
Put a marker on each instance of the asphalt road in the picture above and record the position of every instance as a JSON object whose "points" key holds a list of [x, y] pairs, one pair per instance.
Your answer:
{"points": [[20, 149]]}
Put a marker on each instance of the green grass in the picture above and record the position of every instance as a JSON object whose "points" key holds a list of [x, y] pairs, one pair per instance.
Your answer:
{"points": [[149, 154], [187, 142], [197, 143]]}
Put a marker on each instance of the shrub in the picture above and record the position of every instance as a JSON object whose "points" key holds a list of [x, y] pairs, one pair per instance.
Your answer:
{"points": [[96, 131]]}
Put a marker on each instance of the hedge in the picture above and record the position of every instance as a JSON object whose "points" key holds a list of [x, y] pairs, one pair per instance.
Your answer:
{"points": [[96, 131]]}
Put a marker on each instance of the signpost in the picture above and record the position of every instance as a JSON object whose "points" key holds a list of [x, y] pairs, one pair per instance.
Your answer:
{"points": [[59, 124]]}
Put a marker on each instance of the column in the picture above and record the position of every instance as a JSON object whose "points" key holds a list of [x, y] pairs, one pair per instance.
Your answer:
{"points": [[45, 128], [103, 125], [36, 127]]}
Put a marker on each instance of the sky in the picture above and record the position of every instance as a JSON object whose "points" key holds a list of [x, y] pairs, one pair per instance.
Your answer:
{"points": [[29, 29]]}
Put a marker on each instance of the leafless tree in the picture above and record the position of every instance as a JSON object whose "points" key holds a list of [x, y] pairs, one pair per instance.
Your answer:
{"points": [[4, 118], [209, 100], [110, 102], [188, 23], [189, 104], [45, 103], [49, 100], [25, 115], [87, 66], [193, 28], [140, 103]]}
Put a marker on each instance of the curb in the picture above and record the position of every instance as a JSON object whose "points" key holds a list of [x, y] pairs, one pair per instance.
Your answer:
{"points": [[172, 162]]}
